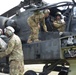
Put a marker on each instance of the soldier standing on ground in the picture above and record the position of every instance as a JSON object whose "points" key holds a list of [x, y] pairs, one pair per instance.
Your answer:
{"points": [[34, 23], [14, 52]]}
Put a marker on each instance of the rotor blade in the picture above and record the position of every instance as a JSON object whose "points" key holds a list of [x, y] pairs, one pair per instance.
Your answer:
{"points": [[13, 10], [10, 12]]}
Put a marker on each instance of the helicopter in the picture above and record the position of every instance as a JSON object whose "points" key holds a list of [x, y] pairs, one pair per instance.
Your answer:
{"points": [[47, 51]]}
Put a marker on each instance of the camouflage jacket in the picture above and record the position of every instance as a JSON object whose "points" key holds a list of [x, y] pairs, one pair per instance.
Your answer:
{"points": [[36, 19], [60, 25], [14, 49]]}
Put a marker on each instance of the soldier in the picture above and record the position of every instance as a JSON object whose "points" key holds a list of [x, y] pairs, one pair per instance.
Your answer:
{"points": [[48, 20], [34, 23], [14, 52], [59, 23], [3, 44]]}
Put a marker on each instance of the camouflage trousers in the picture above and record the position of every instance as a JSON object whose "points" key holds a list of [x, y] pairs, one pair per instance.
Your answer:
{"points": [[16, 68], [34, 35]]}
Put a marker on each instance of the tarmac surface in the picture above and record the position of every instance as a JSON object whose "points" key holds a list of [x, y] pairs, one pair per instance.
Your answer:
{"points": [[37, 68]]}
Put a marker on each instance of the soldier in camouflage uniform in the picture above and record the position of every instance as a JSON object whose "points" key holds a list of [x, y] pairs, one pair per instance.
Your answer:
{"points": [[59, 23], [14, 51], [34, 23]]}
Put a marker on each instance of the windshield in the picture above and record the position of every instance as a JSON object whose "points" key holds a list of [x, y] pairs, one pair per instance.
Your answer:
{"points": [[74, 11]]}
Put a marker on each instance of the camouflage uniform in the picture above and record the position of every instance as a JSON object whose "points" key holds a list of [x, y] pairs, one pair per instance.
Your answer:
{"points": [[59, 25], [34, 23], [15, 53]]}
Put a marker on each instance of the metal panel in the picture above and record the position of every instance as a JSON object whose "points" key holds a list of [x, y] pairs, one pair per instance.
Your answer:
{"points": [[43, 50], [50, 49]]}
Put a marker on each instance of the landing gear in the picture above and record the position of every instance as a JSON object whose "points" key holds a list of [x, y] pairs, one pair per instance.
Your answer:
{"points": [[42, 74], [30, 72], [63, 73], [49, 68], [57, 66]]}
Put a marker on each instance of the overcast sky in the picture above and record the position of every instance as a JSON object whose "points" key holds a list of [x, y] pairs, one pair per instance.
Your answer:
{"points": [[8, 4]]}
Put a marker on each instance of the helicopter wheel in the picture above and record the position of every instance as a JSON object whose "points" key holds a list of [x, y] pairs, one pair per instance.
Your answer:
{"points": [[30, 72], [63, 73], [42, 74]]}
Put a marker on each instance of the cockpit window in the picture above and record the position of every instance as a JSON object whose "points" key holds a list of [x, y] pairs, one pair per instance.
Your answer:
{"points": [[74, 11], [64, 7]]}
